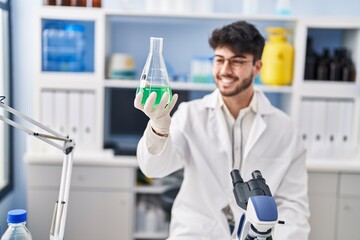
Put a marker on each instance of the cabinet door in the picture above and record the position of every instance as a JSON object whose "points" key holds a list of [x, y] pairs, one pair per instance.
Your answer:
{"points": [[91, 215], [322, 199], [100, 202], [99, 215], [41, 204], [348, 220], [349, 207]]}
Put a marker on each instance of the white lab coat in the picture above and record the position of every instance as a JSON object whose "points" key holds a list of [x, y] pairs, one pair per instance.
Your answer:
{"points": [[199, 141]]}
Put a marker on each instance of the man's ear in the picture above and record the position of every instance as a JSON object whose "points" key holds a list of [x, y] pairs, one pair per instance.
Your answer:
{"points": [[257, 67]]}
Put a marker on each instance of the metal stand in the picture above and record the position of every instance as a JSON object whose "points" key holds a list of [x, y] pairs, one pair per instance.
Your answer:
{"points": [[59, 218]]}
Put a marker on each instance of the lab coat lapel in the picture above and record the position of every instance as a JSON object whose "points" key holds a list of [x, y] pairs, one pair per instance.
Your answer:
{"points": [[259, 124], [257, 128], [218, 125], [222, 132]]}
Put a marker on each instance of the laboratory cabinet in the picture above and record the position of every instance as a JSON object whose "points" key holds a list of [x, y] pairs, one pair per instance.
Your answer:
{"points": [[100, 200], [95, 108], [334, 204]]}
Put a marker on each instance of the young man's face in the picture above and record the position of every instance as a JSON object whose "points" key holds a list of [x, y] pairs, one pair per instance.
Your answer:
{"points": [[233, 74]]}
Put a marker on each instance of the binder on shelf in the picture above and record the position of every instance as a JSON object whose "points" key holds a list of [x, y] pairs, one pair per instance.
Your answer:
{"points": [[346, 125], [88, 116], [305, 122], [332, 137], [60, 112], [74, 106], [318, 115], [47, 117], [47, 108]]}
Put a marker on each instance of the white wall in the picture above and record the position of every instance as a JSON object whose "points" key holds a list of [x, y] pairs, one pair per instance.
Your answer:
{"points": [[22, 16]]}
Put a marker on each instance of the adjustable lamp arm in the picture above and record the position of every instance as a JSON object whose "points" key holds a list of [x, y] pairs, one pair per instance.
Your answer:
{"points": [[59, 218]]}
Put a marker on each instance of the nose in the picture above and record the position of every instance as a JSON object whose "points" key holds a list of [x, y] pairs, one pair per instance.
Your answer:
{"points": [[225, 68]]}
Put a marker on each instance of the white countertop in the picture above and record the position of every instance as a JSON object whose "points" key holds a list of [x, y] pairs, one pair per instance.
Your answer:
{"points": [[107, 158]]}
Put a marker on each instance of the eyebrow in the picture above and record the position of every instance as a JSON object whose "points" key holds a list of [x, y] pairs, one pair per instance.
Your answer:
{"points": [[235, 56]]}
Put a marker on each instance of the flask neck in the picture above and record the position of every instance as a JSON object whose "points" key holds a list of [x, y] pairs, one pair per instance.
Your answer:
{"points": [[156, 44]]}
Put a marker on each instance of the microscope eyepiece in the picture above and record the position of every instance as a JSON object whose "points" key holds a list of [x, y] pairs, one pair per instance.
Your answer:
{"points": [[257, 175], [236, 177]]}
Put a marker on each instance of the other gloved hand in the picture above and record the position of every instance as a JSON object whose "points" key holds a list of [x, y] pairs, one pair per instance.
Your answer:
{"points": [[159, 116]]}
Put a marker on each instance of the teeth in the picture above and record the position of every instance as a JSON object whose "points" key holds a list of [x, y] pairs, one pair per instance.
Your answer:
{"points": [[227, 80]]}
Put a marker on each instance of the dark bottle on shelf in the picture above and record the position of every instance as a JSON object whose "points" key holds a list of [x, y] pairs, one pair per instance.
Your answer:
{"points": [[50, 2], [96, 3], [322, 71], [310, 61], [348, 70], [65, 3], [336, 65]]}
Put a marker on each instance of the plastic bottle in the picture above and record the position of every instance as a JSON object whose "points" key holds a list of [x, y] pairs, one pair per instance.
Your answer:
{"points": [[154, 77], [278, 58], [151, 225], [16, 226], [141, 214]]}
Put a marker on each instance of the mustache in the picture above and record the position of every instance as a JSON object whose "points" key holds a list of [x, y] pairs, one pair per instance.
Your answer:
{"points": [[228, 76]]}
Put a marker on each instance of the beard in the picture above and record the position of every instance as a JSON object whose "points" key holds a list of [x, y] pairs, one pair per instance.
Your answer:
{"points": [[245, 84]]}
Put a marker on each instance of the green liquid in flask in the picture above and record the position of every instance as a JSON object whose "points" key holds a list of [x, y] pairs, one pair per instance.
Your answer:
{"points": [[159, 92]]}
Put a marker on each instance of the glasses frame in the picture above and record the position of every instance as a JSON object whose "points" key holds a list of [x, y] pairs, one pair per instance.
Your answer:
{"points": [[232, 62]]}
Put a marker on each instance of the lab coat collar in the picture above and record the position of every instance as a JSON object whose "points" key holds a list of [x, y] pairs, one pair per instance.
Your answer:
{"points": [[263, 104], [218, 122]]}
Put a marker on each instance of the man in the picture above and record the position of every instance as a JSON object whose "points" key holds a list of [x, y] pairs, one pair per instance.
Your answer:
{"points": [[234, 127]]}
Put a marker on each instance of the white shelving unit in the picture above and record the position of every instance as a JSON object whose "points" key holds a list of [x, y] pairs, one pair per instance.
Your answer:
{"points": [[118, 31]]}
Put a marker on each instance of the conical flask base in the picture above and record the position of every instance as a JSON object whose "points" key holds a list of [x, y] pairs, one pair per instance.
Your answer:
{"points": [[147, 90]]}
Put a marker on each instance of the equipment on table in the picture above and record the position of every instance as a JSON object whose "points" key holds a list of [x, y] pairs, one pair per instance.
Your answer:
{"points": [[255, 198]]}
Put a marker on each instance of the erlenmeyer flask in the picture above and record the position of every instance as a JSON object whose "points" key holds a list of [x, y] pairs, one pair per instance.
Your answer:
{"points": [[154, 77]]}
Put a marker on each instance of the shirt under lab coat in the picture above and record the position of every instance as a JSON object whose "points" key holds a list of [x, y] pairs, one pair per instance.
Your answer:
{"points": [[200, 142]]}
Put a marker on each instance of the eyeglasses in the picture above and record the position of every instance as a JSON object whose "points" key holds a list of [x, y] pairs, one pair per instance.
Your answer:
{"points": [[234, 62]]}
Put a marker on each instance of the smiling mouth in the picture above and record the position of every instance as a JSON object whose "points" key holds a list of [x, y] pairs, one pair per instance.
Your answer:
{"points": [[227, 80]]}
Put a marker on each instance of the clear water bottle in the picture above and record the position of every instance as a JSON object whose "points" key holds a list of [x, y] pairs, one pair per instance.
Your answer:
{"points": [[17, 229]]}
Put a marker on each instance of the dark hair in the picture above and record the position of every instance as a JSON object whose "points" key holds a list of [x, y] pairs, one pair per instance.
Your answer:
{"points": [[241, 37]]}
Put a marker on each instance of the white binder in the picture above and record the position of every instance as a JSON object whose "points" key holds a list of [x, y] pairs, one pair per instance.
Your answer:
{"points": [[60, 112], [74, 106], [47, 116], [88, 116], [305, 123], [332, 137], [47, 108], [346, 126], [318, 121]]}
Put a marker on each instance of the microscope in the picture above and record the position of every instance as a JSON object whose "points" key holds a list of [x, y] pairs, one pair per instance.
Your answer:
{"points": [[255, 198]]}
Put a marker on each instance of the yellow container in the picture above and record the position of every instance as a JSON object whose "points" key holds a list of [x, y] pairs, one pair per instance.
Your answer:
{"points": [[277, 58]]}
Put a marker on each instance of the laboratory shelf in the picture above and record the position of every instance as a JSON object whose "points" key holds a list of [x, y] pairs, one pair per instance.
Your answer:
{"points": [[329, 89], [150, 189], [335, 165], [133, 84], [114, 15], [145, 235]]}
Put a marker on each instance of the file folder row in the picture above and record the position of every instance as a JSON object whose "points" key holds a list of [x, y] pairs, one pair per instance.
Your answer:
{"points": [[70, 113], [326, 127]]}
